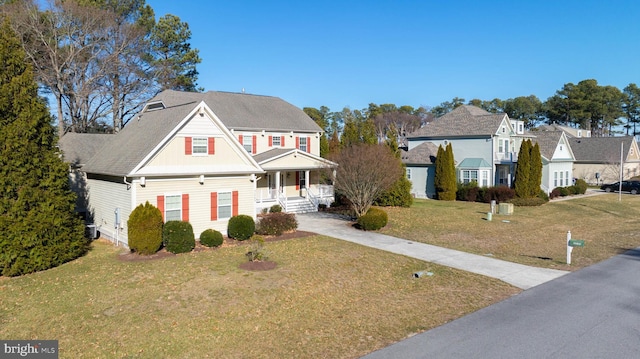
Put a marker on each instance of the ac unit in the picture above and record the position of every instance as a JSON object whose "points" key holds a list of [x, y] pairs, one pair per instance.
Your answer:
{"points": [[91, 231]]}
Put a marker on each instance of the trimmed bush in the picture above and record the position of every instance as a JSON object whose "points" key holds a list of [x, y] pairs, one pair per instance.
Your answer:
{"points": [[581, 186], [499, 194], [276, 208], [274, 224], [399, 195], [467, 192], [178, 237], [528, 202], [241, 227], [374, 219], [564, 191], [211, 238], [145, 229]]}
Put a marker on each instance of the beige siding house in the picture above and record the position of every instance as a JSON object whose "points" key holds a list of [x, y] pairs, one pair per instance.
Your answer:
{"points": [[201, 158], [598, 158]]}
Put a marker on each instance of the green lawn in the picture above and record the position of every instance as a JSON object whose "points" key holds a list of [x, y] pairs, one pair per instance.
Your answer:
{"points": [[532, 235], [327, 298]]}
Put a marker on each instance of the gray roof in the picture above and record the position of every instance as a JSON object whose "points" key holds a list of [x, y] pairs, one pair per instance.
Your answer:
{"points": [[242, 111], [423, 154], [548, 142], [78, 148], [236, 111], [600, 149], [275, 152], [465, 120]]}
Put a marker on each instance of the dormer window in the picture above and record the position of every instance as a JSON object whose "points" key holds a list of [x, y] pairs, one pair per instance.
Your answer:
{"points": [[200, 145], [504, 130]]}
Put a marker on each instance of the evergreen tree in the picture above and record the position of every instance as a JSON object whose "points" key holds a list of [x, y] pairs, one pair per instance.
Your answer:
{"points": [[445, 179], [535, 177], [38, 227], [523, 171]]}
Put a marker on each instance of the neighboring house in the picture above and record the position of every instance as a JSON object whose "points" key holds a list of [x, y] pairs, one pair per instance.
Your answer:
{"points": [[598, 158], [202, 158], [571, 132], [557, 159], [485, 147], [420, 169]]}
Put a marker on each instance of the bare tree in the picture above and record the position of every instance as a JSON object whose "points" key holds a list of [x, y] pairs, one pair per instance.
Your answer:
{"points": [[364, 172]]}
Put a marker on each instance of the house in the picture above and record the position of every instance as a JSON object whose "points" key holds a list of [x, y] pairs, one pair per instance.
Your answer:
{"points": [[202, 158], [598, 158], [571, 132], [485, 148], [557, 159]]}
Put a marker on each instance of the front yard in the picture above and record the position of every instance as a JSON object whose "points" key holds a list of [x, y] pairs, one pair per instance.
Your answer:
{"points": [[326, 298]]}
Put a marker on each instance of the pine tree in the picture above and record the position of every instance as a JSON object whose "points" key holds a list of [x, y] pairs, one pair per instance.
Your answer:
{"points": [[523, 171], [535, 177], [38, 227]]}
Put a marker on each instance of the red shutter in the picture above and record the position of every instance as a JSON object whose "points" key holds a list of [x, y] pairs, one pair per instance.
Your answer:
{"points": [[240, 139], [270, 141], [187, 145], [308, 144], [282, 141], [297, 142], [214, 206], [297, 180], [212, 146], [254, 145], [185, 207], [160, 200], [234, 202]]}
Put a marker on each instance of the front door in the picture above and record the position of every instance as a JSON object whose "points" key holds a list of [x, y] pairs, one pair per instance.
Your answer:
{"points": [[302, 181]]}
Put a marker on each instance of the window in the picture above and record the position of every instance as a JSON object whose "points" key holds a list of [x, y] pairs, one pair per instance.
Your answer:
{"points": [[408, 173], [469, 175], [566, 178], [504, 130], [303, 144], [485, 179], [247, 142], [275, 141], [173, 208], [200, 145], [501, 146], [555, 179], [579, 133], [224, 205], [520, 128]]}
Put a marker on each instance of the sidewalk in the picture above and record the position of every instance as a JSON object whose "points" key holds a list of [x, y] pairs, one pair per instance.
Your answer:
{"points": [[518, 275]]}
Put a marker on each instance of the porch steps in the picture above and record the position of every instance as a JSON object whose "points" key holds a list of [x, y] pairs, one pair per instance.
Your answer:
{"points": [[300, 206]]}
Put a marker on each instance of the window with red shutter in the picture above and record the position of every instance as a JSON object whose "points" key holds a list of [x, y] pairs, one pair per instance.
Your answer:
{"points": [[212, 146], [160, 204], [214, 206], [234, 197], [185, 207], [187, 145]]}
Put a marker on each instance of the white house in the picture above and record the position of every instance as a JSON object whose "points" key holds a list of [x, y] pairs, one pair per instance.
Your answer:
{"points": [[201, 158]]}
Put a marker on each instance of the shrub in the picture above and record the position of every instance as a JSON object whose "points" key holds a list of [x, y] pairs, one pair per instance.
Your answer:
{"points": [[555, 193], [542, 194], [499, 194], [211, 238], [399, 195], [257, 252], [276, 208], [581, 185], [276, 223], [573, 190], [530, 202], [322, 207], [467, 192], [374, 219], [564, 191], [178, 237], [241, 227], [145, 229]]}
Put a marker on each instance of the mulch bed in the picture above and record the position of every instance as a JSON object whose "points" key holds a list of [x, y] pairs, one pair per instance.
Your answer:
{"points": [[254, 266]]}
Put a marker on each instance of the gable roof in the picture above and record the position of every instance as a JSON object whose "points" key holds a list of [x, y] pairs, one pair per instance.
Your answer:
{"points": [[267, 158], [240, 111], [142, 134], [548, 142], [423, 154], [78, 148], [600, 149], [465, 120]]}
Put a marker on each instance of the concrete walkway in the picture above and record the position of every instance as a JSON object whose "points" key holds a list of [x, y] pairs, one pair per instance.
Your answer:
{"points": [[518, 275]]}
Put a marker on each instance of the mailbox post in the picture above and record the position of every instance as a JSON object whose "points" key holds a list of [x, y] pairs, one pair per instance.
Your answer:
{"points": [[572, 243]]}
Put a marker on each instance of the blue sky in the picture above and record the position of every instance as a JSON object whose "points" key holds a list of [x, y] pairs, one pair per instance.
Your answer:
{"points": [[418, 53]]}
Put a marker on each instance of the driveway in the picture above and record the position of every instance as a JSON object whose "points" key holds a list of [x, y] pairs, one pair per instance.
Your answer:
{"points": [[591, 313]]}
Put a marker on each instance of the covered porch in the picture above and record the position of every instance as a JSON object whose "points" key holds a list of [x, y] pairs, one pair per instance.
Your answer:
{"points": [[295, 180]]}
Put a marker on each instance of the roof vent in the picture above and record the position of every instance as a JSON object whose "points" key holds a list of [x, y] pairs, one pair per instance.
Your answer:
{"points": [[156, 105]]}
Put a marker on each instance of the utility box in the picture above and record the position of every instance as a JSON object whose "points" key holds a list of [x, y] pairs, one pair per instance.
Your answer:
{"points": [[505, 208]]}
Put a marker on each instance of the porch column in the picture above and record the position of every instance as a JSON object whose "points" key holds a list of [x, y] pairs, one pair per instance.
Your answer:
{"points": [[277, 183], [306, 179]]}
